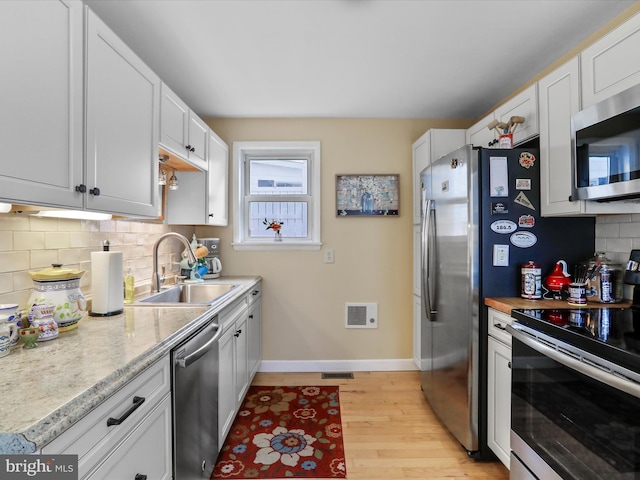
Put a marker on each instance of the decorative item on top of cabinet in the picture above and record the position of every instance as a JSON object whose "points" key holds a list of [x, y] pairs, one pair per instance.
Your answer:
{"points": [[43, 153], [612, 64], [559, 99], [182, 132], [479, 135], [524, 104]]}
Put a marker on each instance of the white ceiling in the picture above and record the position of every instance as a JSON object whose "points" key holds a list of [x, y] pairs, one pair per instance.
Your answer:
{"points": [[351, 58]]}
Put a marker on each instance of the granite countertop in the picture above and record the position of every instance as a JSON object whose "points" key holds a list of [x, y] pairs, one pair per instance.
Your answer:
{"points": [[506, 304], [47, 389]]}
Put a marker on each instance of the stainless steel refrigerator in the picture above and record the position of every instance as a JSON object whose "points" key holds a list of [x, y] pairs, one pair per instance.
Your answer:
{"points": [[481, 222]]}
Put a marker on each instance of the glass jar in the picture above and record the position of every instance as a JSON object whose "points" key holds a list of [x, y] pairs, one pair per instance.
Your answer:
{"points": [[606, 286]]}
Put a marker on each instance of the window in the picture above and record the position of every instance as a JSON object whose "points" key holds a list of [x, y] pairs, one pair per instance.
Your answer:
{"points": [[276, 182]]}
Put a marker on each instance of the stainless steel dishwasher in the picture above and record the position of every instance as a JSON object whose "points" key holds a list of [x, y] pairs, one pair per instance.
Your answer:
{"points": [[195, 403]]}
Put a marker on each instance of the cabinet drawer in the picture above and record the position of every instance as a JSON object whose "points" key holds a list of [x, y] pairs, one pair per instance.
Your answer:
{"points": [[147, 451], [231, 313], [91, 438], [497, 323]]}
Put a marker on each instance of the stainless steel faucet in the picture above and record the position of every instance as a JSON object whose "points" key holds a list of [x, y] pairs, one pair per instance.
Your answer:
{"points": [[155, 278]]}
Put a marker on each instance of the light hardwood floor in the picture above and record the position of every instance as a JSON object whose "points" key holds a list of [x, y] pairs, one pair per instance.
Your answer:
{"points": [[390, 431]]}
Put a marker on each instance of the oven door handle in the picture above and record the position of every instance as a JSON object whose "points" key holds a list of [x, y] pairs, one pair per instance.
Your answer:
{"points": [[607, 378]]}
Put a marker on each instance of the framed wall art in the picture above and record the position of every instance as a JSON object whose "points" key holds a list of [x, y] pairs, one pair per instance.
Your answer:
{"points": [[367, 195]]}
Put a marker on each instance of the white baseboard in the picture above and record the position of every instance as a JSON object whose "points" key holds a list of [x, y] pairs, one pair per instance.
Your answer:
{"points": [[386, 365]]}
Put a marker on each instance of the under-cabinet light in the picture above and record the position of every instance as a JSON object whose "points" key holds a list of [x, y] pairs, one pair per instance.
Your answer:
{"points": [[5, 207], [72, 214]]}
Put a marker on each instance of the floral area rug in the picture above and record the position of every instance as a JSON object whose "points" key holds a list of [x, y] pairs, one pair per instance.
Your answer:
{"points": [[285, 432]]}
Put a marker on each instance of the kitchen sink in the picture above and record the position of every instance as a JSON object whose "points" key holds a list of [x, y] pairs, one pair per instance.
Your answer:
{"points": [[188, 294]]}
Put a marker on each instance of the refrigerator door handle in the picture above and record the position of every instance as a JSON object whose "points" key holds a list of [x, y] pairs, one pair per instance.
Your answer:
{"points": [[427, 225]]}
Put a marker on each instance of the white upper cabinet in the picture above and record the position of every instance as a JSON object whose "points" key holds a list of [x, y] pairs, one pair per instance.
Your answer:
{"points": [[612, 64], [41, 114], [182, 132], [480, 136], [559, 99], [122, 125], [432, 145], [525, 104], [217, 182]]}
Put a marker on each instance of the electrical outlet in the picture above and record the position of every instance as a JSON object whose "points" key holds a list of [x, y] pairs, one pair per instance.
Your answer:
{"points": [[328, 255]]}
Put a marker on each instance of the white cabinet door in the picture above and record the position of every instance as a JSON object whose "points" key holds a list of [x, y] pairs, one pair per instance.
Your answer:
{"points": [[226, 384], [218, 182], [174, 123], [41, 116], [241, 358], [198, 139], [254, 338], [122, 126], [147, 451], [559, 99], [499, 399], [182, 132], [612, 64], [480, 136], [432, 145], [525, 104]]}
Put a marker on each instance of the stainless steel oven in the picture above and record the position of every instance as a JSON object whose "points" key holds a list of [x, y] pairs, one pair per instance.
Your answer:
{"points": [[575, 394]]}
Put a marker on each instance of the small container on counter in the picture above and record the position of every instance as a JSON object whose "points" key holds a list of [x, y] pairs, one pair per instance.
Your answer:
{"points": [[531, 281], [605, 284]]}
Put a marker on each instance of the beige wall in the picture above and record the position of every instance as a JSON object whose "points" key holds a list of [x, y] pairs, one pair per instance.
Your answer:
{"points": [[304, 298]]}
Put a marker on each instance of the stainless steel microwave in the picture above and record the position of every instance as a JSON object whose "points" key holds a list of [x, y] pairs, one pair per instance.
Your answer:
{"points": [[605, 142]]}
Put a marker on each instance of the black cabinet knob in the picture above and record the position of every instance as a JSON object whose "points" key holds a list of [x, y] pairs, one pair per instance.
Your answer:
{"points": [[211, 215], [188, 147], [81, 188], [250, 316], [95, 191], [140, 476], [192, 149]]}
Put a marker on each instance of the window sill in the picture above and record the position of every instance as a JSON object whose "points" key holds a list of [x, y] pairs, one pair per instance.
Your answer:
{"points": [[284, 245]]}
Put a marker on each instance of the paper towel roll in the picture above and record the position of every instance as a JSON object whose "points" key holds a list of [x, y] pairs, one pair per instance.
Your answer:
{"points": [[106, 284]]}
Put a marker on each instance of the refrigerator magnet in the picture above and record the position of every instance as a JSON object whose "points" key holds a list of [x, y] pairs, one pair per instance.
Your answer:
{"points": [[504, 226], [523, 239], [499, 208], [522, 199], [527, 159], [526, 221], [523, 184]]}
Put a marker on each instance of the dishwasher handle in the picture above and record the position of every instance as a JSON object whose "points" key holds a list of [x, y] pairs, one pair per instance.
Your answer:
{"points": [[184, 362]]}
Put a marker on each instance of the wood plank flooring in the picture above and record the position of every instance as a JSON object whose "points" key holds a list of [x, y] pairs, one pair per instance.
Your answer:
{"points": [[390, 431]]}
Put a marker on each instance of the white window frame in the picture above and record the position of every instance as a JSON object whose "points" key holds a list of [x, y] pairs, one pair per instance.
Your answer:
{"points": [[244, 150]]}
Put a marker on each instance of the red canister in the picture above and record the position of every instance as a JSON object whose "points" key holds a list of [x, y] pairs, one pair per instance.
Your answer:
{"points": [[531, 281]]}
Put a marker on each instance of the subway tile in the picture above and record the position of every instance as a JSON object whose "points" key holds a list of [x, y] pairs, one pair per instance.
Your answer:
{"points": [[108, 226], [13, 222], [80, 240], [22, 280], [20, 297], [14, 261], [70, 225], [40, 224], [622, 245], [601, 244], [6, 283], [123, 226], [56, 240], [6, 241], [631, 229], [609, 230], [43, 258], [28, 241], [68, 256]]}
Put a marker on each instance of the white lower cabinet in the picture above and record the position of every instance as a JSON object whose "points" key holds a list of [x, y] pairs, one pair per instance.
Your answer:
{"points": [[139, 456], [499, 386], [142, 410], [240, 356]]}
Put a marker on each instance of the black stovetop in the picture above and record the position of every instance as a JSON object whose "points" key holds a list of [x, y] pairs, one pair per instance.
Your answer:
{"points": [[610, 333]]}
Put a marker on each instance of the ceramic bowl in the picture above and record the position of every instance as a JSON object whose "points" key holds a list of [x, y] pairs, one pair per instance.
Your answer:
{"points": [[29, 337]]}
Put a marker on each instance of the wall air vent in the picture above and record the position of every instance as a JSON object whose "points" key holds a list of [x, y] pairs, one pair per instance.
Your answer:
{"points": [[361, 315]]}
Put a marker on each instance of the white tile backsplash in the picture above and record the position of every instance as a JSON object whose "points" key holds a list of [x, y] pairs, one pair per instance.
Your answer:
{"points": [[31, 243]]}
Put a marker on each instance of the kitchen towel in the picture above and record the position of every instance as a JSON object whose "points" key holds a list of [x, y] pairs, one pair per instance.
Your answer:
{"points": [[106, 284]]}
